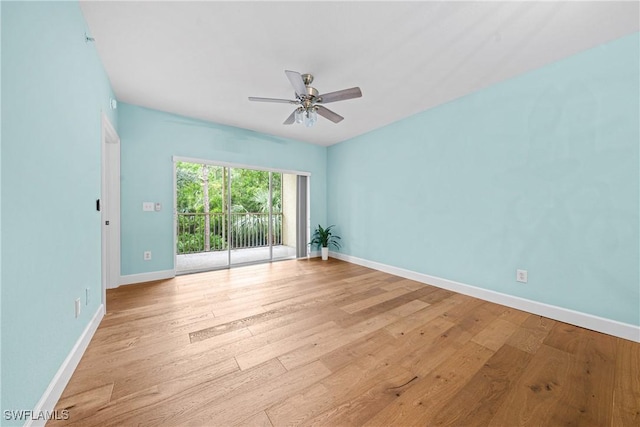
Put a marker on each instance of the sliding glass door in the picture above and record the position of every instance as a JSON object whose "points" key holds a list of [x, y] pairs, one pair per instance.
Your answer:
{"points": [[227, 216]]}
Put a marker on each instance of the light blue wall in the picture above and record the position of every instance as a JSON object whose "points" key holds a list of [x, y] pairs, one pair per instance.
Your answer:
{"points": [[149, 141], [539, 172], [54, 88]]}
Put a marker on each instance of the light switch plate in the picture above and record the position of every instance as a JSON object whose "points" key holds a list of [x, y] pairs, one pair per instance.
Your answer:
{"points": [[148, 206]]}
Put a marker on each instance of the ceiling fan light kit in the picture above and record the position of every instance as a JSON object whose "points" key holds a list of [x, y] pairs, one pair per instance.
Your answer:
{"points": [[309, 116], [308, 98]]}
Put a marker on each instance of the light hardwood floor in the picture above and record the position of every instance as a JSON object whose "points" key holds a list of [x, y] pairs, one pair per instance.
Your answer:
{"points": [[332, 343]]}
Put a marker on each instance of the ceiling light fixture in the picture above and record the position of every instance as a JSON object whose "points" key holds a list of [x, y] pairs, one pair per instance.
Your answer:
{"points": [[306, 115]]}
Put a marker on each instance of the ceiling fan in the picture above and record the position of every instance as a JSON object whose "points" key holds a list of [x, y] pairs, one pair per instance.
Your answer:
{"points": [[309, 100]]}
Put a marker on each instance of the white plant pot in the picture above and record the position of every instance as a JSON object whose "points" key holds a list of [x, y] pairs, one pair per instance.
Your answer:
{"points": [[325, 254]]}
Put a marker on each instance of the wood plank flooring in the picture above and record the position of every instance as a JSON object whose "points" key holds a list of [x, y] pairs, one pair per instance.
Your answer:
{"points": [[331, 343]]}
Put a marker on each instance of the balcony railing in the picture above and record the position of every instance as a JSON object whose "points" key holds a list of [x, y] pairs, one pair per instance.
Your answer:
{"points": [[240, 230]]}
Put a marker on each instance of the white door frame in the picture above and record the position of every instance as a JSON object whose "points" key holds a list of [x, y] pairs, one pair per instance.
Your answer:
{"points": [[110, 207]]}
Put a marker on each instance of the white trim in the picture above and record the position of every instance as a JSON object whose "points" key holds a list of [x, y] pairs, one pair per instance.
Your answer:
{"points": [[237, 165], [49, 399], [308, 218], [147, 277], [584, 320], [175, 216], [110, 206]]}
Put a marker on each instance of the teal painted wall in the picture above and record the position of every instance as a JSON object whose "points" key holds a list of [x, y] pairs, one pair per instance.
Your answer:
{"points": [[151, 138], [54, 88], [539, 172]]}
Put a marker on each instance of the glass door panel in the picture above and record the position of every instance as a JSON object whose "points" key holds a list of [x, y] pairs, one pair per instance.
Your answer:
{"points": [[284, 215], [201, 217], [218, 217], [249, 217]]}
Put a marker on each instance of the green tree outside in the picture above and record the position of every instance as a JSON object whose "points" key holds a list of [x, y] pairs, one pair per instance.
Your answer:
{"points": [[200, 186]]}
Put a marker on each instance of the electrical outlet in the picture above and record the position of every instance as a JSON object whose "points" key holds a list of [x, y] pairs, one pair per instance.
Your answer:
{"points": [[78, 307], [86, 296], [147, 255], [521, 276]]}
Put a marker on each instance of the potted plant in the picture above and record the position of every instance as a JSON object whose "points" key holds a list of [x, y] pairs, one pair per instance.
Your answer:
{"points": [[323, 237]]}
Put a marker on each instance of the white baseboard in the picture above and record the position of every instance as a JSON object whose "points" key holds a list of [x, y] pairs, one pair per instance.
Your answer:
{"points": [[584, 320], [147, 277], [49, 399]]}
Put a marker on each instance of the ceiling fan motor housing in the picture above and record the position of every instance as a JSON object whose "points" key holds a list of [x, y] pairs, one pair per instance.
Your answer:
{"points": [[311, 91]]}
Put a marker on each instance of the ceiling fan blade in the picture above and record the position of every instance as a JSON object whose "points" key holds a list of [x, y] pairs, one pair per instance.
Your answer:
{"points": [[291, 119], [283, 101], [296, 81], [328, 114], [340, 95]]}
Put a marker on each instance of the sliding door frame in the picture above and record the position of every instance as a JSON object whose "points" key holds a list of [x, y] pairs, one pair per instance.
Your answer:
{"points": [[229, 166]]}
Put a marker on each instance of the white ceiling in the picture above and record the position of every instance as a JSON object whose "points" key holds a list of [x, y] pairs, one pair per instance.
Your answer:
{"points": [[203, 59]]}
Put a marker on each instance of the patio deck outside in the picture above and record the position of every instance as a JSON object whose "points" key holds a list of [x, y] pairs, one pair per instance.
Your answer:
{"points": [[201, 261]]}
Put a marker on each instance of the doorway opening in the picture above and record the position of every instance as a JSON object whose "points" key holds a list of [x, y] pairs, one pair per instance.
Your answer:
{"points": [[109, 205], [234, 215]]}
